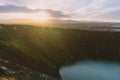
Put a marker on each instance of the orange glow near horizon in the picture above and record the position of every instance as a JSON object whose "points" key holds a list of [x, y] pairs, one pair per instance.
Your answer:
{"points": [[42, 16], [39, 17]]}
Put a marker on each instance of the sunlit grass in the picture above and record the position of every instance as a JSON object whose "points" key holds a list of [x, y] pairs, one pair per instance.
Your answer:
{"points": [[7, 78]]}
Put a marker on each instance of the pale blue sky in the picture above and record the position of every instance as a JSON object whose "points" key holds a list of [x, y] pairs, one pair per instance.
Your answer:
{"points": [[85, 10]]}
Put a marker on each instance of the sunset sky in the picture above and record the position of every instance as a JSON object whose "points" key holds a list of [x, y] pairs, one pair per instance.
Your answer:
{"points": [[82, 10]]}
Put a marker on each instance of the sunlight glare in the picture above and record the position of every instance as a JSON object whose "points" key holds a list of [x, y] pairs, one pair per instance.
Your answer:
{"points": [[42, 16]]}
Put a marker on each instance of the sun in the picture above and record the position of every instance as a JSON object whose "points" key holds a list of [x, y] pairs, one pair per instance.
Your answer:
{"points": [[42, 16]]}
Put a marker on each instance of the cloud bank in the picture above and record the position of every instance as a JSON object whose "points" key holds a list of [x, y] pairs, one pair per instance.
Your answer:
{"points": [[101, 10], [51, 13]]}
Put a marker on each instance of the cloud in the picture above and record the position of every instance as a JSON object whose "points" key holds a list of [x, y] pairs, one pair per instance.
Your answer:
{"points": [[12, 2], [74, 9], [14, 9], [62, 5], [99, 10], [54, 14], [107, 15]]}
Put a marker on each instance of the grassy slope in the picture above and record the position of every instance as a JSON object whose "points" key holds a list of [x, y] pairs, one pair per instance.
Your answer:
{"points": [[47, 49]]}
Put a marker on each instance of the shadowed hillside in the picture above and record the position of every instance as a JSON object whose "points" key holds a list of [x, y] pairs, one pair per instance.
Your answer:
{"points": [[10, 71], [48, 49]]}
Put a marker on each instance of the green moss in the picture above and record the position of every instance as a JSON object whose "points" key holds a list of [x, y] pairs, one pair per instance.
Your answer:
{"points": [[27, 50]]}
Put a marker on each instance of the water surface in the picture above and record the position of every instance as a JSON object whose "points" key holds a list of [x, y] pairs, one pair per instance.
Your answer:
{"points": [[91, 70]]}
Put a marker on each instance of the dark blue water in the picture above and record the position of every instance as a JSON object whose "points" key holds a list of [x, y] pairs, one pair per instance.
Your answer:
{"points": [[91, 70]]}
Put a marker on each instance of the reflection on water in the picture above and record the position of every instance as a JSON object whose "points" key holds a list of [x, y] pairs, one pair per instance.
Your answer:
{"points": [[91, 70]]}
